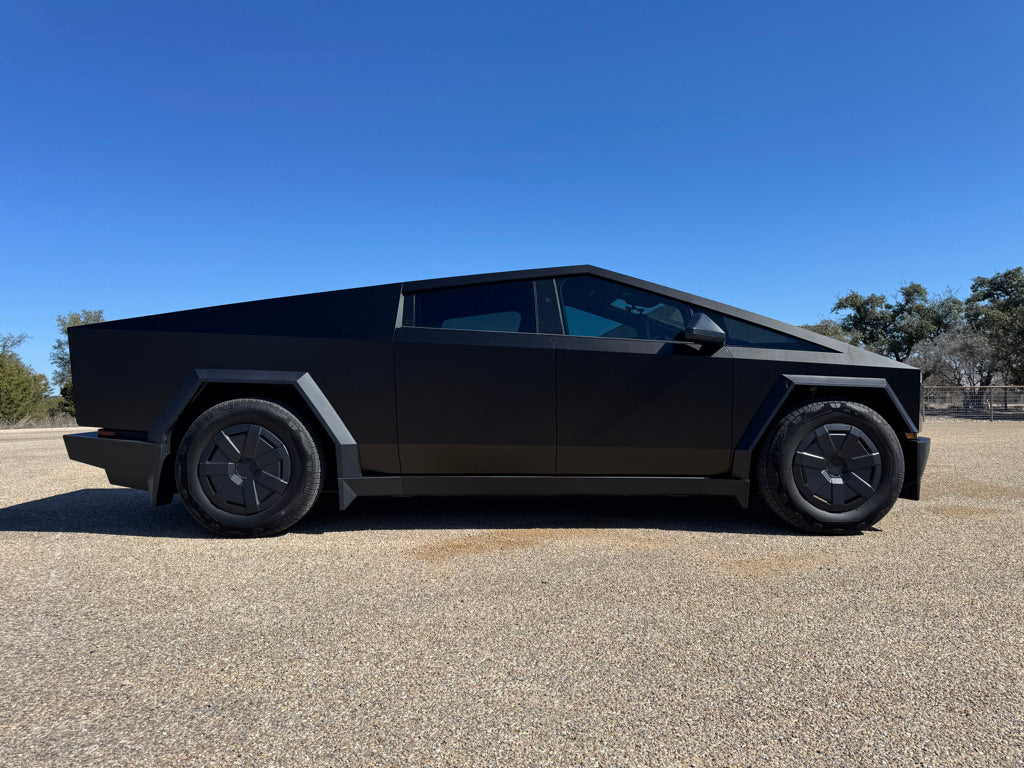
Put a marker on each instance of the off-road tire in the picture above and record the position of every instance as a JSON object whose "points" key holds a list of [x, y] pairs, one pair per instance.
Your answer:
{"points": [[249, 467], [830, 466]]}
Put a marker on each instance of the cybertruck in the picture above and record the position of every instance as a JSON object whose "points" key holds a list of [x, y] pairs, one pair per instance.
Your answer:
{"points": [[563, 381]]}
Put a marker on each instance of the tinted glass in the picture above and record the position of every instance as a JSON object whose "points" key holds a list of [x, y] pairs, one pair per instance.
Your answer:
{"points": [[740, 333], [595, 307], [492, 307]]}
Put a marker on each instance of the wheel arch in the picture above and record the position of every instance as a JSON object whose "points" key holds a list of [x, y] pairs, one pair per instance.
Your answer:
{"points": [[206, 387], [790, 390]]}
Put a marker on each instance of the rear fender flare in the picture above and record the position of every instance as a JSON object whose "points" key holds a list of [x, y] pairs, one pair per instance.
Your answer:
{"points": [[346, 449]]}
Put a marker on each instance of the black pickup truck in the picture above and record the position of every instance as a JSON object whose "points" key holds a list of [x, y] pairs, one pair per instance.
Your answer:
{"points": [[565, 381]]}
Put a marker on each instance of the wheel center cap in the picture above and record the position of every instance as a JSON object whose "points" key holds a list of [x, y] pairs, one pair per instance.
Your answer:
{"points": [[835, 468], [246, 468]]}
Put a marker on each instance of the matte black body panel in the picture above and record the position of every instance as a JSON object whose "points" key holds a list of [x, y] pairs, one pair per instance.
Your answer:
{"points": [[129, 463], [125, 371], [357, 313], [475, 402], [550, 485], [917, 459], [124, 379], [441, 411], [638, 407]]}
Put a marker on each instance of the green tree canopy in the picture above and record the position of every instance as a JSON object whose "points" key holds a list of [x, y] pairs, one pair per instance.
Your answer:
{"points": [[995, 310], [894, 328], [23, 392], [61, 355], [10, 342], [832, 329]]}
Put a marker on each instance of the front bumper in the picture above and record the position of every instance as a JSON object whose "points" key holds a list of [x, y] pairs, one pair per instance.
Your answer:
{"points": [[131, 463], [916, 456]]}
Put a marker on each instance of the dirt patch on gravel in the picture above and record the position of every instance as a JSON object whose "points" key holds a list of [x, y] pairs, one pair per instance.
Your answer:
{"points": [[487, 542], [517, 539]]}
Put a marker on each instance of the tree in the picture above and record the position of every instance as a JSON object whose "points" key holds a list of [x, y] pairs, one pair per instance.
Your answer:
{"points": [[61, 355], [960, 357], [22, 391], [10, 342], [895, 328], [995, 310], [832, 329]]}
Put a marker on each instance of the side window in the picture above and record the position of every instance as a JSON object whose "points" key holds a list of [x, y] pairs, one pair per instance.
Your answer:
{"points": [[488, 307], [595, 307], [740, 333]]}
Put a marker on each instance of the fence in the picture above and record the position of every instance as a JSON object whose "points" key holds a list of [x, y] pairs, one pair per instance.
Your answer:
{"points": [[992, 403]]}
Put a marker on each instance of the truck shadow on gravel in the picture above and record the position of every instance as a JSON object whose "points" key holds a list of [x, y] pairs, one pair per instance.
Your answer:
{"points": [[112, 511], [123, 512]]}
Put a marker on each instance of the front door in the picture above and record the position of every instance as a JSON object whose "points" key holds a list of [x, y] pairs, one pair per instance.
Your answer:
{"points": [[631, 399]]}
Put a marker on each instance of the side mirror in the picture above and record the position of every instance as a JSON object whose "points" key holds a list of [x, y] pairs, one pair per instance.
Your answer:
{"points": [[703, 330]]}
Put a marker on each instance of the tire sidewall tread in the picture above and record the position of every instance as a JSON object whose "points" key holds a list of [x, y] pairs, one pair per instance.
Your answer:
{"points": [[304, 448], [777, 484]]}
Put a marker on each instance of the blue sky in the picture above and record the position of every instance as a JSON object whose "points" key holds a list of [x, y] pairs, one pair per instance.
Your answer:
{"points": [[156, 157]]}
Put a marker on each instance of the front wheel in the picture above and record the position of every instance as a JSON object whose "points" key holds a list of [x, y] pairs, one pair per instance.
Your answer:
{"points": [[248, 467], [830, 466]]}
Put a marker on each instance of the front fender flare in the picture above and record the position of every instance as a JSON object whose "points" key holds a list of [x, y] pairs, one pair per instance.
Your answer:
{"points": [[776, 398]]}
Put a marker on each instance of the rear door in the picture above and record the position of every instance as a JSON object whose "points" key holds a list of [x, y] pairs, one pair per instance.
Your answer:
{"points": [[475, 382]]}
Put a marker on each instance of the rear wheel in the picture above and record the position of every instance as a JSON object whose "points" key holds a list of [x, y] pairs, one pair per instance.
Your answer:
{"points": [[249, 467], [830, 466]]}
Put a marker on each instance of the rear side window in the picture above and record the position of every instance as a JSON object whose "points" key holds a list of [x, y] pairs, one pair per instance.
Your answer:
{"points": [[506, 307]]}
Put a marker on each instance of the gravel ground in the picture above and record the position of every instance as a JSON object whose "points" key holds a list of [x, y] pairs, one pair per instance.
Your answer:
{"points": [[607, 632]]}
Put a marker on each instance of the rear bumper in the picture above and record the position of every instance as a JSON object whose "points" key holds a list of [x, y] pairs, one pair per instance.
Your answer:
{"points": [[917, 451], [131, 463]]}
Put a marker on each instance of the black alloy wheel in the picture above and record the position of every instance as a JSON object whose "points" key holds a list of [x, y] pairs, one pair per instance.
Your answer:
{"points": [[830, 466], [837, 467], [245, 469], [249, 467]]}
